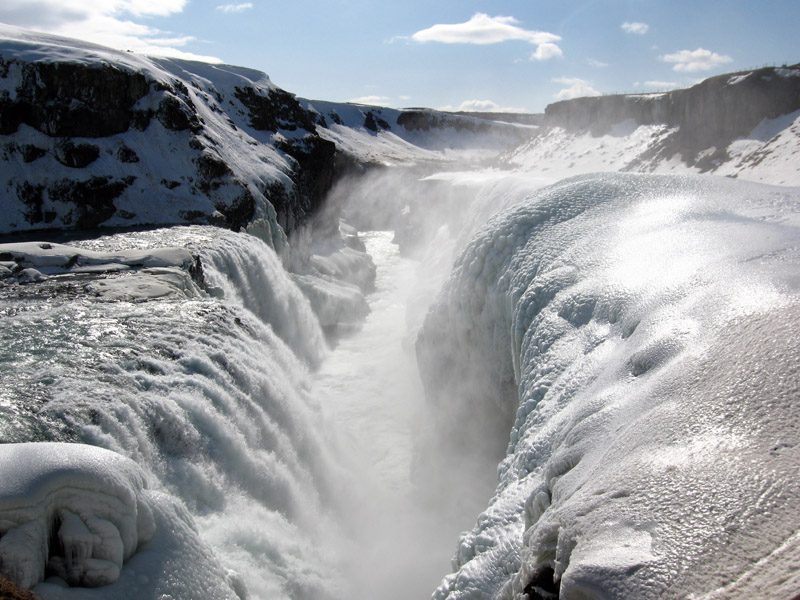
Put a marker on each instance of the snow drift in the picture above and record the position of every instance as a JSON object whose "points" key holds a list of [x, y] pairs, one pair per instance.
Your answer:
{"points": [[632, 338]]}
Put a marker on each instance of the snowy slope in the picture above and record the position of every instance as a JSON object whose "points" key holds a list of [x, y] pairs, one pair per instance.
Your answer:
{"points": [[633, 338], [92, 136], [392, 137], [770, 153], [744, 125]]}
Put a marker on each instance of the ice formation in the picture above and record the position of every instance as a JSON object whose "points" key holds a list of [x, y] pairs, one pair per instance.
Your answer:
{"points": [[636, 337], [88, 499]]}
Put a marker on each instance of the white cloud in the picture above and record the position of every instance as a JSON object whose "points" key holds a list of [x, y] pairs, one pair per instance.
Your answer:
{"points": [[235, 8], [482, 106], [372, 100], [637, 28], [546, 52], [691, 61], [577, 88], [483, 29], [596, 63], [108, 23]]}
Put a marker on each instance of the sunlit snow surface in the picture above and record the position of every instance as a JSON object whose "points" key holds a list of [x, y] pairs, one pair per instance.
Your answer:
{"points": [[638, 336]]}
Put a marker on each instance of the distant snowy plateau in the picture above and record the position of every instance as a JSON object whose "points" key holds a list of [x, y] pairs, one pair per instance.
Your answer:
{"points": [[605, 314]]}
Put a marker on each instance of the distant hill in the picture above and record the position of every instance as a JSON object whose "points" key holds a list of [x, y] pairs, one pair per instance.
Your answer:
{"points": [[744, 124]]}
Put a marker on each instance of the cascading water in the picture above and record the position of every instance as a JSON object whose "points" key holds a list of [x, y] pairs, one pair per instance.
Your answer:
{"points": [[371, 388], [612, 305], [208, 396], [306, 484]]}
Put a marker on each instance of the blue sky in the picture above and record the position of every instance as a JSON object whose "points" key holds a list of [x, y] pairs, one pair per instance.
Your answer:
{"points": [[468, 54]]}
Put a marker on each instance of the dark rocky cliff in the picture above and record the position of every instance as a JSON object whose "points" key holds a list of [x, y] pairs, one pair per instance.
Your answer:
{"points": [[86, 144], [711, 113]]}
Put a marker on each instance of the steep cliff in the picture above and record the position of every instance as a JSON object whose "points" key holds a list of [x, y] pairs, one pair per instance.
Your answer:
{"points": [[744, 124], [92, 137], [712, 113]]}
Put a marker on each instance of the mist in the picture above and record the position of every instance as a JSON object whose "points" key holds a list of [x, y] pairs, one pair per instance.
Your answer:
{"points": [[424, 474]]}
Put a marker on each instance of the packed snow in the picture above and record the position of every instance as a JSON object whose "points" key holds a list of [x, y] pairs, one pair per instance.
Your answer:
{"points": [[84, 516], [633, 339]]}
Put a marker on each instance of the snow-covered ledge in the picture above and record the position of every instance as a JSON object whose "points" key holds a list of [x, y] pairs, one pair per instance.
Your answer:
{"points": [[74, 516]]}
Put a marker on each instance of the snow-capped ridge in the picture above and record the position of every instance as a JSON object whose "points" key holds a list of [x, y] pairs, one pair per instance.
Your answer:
{"points": [[97, 137]]}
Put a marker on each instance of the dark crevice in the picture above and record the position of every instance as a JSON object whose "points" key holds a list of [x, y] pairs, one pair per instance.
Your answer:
{"points": [[543, 585]]}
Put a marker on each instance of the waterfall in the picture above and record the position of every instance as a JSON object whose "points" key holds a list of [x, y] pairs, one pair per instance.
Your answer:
{"points": [[209, 395]]}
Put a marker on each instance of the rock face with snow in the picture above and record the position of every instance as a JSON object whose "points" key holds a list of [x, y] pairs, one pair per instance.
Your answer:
{"points": [[719, 108], [94, 137], [645, 326], [739, 125], [91, 137]]}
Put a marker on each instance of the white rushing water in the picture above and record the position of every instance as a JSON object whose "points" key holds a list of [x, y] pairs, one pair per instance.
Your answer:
{"points": [[370, 386], [210, 398], [628, 342]]}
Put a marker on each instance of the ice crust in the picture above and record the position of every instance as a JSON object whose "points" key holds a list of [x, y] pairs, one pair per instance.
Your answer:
{"points": [[92, 499], [153, 273], [638, 336]]}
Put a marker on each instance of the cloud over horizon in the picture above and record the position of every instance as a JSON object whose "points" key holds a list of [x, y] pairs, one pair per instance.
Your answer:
{"points": [[108, 23], [482, 29], [482, 106], [691, 61], [578, 88], [664, 85], [235, 8], [371, 100]]}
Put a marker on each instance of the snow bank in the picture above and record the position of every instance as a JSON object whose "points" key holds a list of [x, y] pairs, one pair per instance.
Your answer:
{"points": [[54, 258], [83, 517], [632, 339], [767, 154]]}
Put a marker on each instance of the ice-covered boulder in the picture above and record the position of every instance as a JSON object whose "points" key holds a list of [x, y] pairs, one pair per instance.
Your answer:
{"points": [[74, 516], [75, 510]]}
